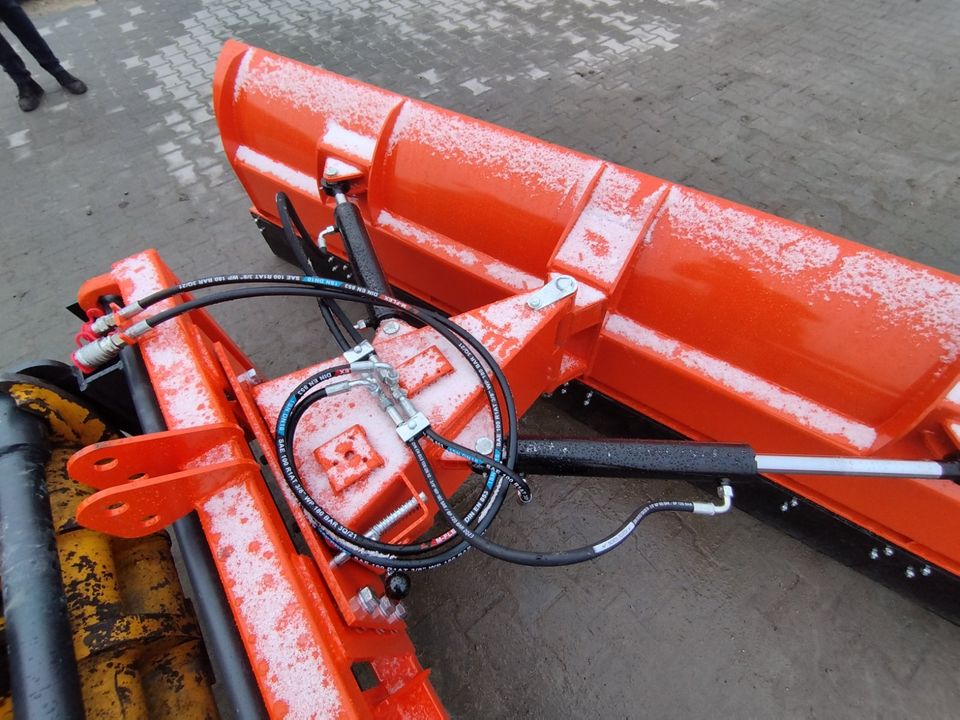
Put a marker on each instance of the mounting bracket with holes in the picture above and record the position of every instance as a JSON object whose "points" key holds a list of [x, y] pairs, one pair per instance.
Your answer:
{"points": [[147, 482]]}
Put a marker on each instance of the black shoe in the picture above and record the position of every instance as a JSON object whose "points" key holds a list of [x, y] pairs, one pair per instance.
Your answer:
{"points": [[74, 86], [28, 95]]}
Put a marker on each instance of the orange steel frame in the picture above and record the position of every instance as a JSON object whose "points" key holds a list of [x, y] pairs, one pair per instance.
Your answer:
{"points": [[717, 320]]}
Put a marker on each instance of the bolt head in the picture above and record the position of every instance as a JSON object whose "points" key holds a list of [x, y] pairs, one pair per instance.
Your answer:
{"points": [[910, 572], [926, 571], [785, 507], [331, 173], [368, 599], [484, 445], [888, 551], [535, 302], [391, 327], [794, 502], [565, 282], [874, 553]]}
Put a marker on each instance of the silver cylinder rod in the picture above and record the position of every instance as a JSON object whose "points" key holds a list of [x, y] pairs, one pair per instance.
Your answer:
{"points": [[869, 467]]}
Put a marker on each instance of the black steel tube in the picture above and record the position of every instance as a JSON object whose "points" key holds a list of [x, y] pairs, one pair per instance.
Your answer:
{"points": [[360, 252], [44, 680], [220, 635], [632, 458]]}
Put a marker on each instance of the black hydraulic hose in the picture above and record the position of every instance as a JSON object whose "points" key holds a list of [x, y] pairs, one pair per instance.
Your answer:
{"points": [[535, 558], [228, 657], [456, 335], [285, 431], [44, 680], [288, 219], [523, 489]]}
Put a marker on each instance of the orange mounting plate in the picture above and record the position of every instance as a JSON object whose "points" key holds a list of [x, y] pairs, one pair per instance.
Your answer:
{"points": [[145, 482]]}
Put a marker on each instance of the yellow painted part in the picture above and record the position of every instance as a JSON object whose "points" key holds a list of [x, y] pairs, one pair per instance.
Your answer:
{"points": [[136, 641], [70, 422]]}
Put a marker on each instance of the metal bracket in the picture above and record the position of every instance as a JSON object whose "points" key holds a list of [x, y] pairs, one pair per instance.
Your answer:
{"points": [[144, 482], [358, 352], [553, 292], [413, 427]]}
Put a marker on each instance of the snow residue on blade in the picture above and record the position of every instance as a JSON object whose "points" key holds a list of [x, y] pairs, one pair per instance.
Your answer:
{"points": [[570, 364], [954, 395], [908, 295], [242, 72], [492, 152], [284, 647], [252, 159], [348, 141], [335, 167], [587, 295], [512, 276], [507, 274], [428, 239], [310, 89], [804, 411], [609, 226], [768, 246]]}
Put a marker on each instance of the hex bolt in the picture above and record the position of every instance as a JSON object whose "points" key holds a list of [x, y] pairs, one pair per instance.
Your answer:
{"points": [[588, 398], [564, 282], [563, 389], [910, 572], [484, 445], [391, 327], [400, 611], [368, 600], [785, 506], [926, 571], [331, 172], [888, 551], [534, 302], [874, 553], [794, 502], [386, 607]]}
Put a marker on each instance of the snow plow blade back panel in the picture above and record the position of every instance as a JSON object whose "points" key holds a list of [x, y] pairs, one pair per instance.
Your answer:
{"points": [[720, 321]]}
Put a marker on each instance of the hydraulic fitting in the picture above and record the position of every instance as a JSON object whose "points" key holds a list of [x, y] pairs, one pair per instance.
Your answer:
{"points": [[726, 494], [98, 353]]}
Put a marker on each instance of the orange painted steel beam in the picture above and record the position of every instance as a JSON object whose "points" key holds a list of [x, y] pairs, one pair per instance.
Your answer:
{"points": [[720, 321]]}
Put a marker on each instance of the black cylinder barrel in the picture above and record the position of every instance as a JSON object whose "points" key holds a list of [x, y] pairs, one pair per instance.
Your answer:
{"points": [[44, 681]]}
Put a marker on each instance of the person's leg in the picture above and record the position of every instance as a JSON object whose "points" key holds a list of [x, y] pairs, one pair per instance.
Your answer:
{"points": [[12, 63], [20, 25], [28, 91]]}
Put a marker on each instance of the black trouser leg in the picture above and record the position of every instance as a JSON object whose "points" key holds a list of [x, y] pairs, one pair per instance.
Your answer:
{"points": [[12, 64], [20, 25]]}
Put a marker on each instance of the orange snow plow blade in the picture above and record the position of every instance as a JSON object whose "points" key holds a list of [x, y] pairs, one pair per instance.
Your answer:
{"points": [[717, 320]]}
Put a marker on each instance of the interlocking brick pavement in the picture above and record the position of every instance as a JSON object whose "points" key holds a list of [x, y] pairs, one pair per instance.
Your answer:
{"points": [[839, 114]]}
